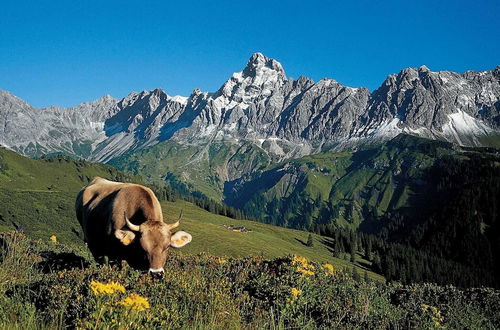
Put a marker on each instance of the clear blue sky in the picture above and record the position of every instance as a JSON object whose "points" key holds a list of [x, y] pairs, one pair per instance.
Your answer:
{"points": [[68, 52]]}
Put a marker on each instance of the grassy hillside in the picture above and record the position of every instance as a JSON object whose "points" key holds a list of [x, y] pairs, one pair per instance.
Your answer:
{"points": [[210, 235], [37, 197], [346, 188], [222, 279], [203, 169]]}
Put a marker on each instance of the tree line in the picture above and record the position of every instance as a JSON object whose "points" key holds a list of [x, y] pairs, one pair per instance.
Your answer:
{"points": [[401, 262], [210, 205]]}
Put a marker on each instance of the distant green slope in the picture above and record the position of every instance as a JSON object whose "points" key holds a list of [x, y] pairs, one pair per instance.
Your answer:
{"points": [[210, 235], [37, 197], [203, 169], [346, 188]]}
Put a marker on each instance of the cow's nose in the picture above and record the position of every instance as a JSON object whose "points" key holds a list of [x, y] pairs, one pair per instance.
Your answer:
{"points": [[157, 276], [157, 273]]}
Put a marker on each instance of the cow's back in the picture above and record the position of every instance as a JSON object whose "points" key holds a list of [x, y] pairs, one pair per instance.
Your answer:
{"points": [[101, 208], [93, 206], [91, 198]]}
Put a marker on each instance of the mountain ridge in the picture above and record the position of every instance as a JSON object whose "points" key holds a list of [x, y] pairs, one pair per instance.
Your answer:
{"points": [[286, 117]]}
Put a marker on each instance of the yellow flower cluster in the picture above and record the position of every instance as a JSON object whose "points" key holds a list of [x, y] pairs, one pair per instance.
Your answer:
{"points": [[53, 238], [222, 261], [106, 288], [135, 302], [62, 289], [303, 265], [295, 294], [436, 316], [328, 269]]}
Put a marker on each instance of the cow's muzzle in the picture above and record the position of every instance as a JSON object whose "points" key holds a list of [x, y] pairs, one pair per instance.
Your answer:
{"points": [[157, 273]]}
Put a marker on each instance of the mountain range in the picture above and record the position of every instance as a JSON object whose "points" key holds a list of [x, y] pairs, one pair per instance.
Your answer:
{"points": [[281, 116]]}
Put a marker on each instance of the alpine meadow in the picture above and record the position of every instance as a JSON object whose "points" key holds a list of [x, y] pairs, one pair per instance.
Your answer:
{"points": [[259, 199]]}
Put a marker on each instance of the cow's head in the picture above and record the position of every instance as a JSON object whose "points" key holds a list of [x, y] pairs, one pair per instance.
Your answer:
{"points": [[155, 238]]}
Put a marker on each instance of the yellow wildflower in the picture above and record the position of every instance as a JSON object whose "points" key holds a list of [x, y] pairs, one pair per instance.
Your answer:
{"points": [[298, 260], [135, 302], [328, 269], [305, 271], [53, 238], [295, 294], [303, 265], [222, 261], [106, 288], [436, 316]]}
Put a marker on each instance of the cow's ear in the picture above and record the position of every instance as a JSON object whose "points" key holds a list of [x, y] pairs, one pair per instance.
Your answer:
{"points": [[179, 239], [125, 236]]}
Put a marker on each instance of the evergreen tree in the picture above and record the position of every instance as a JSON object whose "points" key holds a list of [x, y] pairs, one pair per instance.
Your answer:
{"points": [[355, 274], [336, 250], [368, 250], [310, 240]]}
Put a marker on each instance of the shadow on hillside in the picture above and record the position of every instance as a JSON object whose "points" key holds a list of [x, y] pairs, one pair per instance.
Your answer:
{"points": [[78, 234], [329, 243], [301, 241], [60, 261]]}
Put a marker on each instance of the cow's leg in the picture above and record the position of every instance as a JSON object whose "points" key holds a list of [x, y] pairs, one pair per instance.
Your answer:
{"points": [[101, 260], [96, 252], [115, 262]]}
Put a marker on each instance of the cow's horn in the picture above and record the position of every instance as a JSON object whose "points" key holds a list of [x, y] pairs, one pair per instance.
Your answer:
{"points": [[175, 225], [132, 226]]}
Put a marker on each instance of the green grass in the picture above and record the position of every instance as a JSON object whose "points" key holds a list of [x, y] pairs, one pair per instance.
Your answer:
{"points": [[210, 236], [38, 196], [19, 173]]}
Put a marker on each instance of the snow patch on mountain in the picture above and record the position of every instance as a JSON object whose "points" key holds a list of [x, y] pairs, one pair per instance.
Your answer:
{"points": [[461, 123], [180, 99]]}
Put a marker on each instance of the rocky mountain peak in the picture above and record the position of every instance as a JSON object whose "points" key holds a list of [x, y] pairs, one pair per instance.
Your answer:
{"points": [[107, 97], [10, 101], [258, 62], [158, 92], [496, 72], [423, 68], [260, 77]]}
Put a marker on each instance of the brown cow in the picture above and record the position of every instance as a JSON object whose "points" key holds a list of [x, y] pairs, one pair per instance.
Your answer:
{"points": [[124, 221]]}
